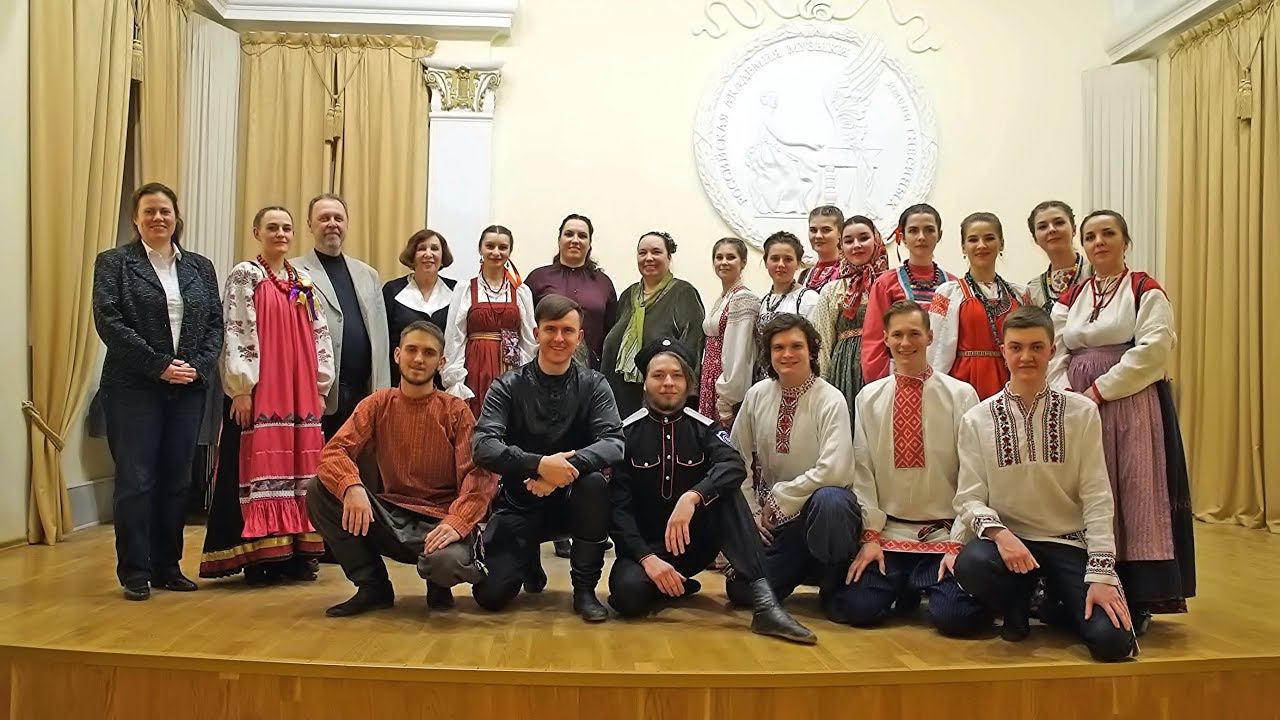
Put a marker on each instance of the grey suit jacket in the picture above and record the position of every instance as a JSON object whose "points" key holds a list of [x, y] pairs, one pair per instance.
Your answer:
{"points": [[369, 293]]}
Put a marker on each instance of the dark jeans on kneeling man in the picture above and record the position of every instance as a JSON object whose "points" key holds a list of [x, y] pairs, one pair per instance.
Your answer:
{"points": [[817, 545], [396, 533]]}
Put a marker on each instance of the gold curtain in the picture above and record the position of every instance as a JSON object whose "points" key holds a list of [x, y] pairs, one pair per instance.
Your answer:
{"points": [[162, 30], [79, 91], [382, 163], [338, 113], [1224, 208], [284, 158]]}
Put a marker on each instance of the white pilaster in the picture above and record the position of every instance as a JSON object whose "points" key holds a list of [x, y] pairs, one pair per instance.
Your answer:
{"points": [[460, 164]]}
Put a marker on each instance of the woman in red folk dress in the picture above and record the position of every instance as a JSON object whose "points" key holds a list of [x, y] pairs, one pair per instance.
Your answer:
{"points": [[967, 315], [277, 365]]}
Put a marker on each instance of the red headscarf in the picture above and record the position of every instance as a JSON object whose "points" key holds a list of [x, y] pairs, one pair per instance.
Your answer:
{"points": [[861, 277]]}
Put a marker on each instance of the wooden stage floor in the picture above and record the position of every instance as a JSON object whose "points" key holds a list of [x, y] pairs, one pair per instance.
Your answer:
{"points": [[71, 647]]}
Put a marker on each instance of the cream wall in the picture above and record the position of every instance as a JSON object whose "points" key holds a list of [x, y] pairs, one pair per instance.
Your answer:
{"points": [[13, 255], [595, 115]]}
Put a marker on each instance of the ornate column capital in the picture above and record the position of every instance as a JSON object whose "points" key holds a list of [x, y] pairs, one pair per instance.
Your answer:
{"points": [[462, 87]]}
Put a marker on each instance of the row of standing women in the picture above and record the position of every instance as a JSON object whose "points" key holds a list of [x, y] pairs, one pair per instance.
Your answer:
{"points": [[1115, 333]]}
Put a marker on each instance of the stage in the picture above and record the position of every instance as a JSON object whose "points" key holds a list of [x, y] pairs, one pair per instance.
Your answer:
{"points": [[70, 647]]}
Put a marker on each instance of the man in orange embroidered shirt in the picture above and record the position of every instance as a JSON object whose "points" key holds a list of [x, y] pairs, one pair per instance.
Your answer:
{"points": [[433, 495]]}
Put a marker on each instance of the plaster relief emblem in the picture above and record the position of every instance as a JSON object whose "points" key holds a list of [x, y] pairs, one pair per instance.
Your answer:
{"points": [[751, 14], [813, 114]]}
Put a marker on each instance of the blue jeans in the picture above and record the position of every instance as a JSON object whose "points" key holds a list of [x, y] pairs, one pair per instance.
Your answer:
{"points": [[812, 547], [907, 575]]}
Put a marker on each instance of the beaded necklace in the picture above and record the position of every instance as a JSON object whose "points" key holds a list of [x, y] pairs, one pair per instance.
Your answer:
{"points": [[296, 288], [1056, 282], [1104, 291], [994, 307], [911, 286]]}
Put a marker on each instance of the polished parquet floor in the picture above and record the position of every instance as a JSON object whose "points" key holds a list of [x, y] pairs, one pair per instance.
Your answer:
{"points": [[61, 617]]}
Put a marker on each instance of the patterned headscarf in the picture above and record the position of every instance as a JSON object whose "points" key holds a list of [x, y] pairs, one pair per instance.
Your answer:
{"points": [[861, 277]]}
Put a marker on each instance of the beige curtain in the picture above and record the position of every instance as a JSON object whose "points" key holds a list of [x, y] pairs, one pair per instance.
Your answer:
{"points": [[1224, 208], [338, 113], [80, 61], [382, 163], [284, 158], [162, 30]]}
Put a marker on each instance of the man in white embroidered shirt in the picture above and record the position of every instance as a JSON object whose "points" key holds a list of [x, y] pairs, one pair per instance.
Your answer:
{"points": [[906, 461], [795, 426], [1033, 487]]}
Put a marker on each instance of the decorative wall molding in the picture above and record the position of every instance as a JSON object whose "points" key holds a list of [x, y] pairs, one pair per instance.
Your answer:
{"points": [[813, 114], [751, 14], [462, 87], [491, 16], [1142, 28]]}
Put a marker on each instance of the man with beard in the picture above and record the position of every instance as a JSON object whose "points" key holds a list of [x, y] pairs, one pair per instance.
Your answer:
{"points": [[677, 502], [432, 496]]}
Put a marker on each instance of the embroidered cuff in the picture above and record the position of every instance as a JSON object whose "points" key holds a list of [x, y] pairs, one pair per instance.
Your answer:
{"points": [[953, 548], [1101, 568], [870, 536], [982, 523], [1096, 391]]}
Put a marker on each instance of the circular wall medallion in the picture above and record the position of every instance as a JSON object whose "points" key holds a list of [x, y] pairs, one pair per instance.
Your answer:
{"points": [[813, 114]]}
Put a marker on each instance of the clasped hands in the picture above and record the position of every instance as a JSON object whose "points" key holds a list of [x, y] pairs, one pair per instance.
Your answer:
{"points": [[554, 472]]}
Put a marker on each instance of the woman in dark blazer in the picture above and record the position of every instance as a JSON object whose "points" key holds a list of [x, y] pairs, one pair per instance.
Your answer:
{"points": [[420, 295], [156, 307]]}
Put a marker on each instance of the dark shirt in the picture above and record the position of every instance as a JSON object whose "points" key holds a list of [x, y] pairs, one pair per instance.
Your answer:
{"points": [[667, 456], [357, 363], [399, 316], [528, 414], [596, 295]]}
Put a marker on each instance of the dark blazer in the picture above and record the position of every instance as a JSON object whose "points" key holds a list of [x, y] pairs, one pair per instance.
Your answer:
{"points": [[132, 316], [399, 317]]}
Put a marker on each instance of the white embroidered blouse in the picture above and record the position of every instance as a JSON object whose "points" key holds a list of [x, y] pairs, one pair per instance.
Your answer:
{"points": [[737, 347]]}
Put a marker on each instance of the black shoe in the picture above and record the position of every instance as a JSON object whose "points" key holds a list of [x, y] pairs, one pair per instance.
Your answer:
{"points": [[739, 592], [535, 578], [177, 583], [691, 587], [367, 598], [769, 618], [300, 569], [562, 548], [1017, 626], [439, 597], [586, 560], [137, 592], [260, 576], [1141, 619]]}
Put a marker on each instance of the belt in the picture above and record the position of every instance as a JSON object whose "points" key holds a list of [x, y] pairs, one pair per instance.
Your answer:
{"points": [[852, 333], [485, 336], [978, 353]]}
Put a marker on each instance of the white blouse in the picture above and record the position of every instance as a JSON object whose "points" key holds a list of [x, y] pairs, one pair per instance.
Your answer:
{"points": [[797, 454], [1149, 327], [1040, 472], [166, 268], [800, 300], [905, 487], [454, 375], [411, 297], [240, 351], [737, 347], [944, 318]]}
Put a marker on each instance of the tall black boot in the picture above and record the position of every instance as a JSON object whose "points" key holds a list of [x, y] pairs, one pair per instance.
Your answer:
{"points": [[586, 560], [770, 618]]}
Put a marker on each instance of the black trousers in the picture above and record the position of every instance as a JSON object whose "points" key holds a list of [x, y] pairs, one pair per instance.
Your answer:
{"points": [[982, 572], [512, 536], [396, 533], [907, 575], [152, 432], [723, 526], [349, 396], [817, 546]]}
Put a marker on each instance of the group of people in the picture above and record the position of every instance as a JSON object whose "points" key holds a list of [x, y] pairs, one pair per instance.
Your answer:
{"points": [[1002, 450]]}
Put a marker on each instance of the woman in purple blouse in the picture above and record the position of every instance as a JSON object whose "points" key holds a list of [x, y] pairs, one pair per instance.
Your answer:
{"points": [[575, 275]]}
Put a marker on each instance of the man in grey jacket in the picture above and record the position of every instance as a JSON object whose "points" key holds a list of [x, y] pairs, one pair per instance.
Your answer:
{"points": [[352, 295]]}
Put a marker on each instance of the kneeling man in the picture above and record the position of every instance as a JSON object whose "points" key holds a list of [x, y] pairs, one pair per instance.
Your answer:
{"points": [[432, 496], [677, 503], [1033, 487]]}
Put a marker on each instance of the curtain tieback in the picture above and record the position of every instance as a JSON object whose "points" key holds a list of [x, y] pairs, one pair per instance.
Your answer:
{"points": [[29, 409]]}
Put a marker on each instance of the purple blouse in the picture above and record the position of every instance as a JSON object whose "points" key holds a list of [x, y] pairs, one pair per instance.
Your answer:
{"points": [[596, 295]]}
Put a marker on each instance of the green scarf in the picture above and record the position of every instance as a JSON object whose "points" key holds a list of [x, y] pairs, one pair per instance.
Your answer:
{"points": [[633, 337]]}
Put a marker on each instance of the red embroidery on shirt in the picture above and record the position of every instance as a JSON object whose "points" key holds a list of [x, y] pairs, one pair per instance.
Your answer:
{"points": [[908, 420], [787, 414], [939, 304]]}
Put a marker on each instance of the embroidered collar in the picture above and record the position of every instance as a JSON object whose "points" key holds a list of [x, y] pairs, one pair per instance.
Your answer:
{"points": [[795, 392], [914, 379], [1021, 402]]}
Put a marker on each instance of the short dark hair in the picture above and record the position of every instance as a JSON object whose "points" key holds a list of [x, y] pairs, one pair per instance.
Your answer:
{"points": [[155, 188], [555, 307], [782, 237], [422, 326], [1049, 205], [782, 322], [918, 209], [1124, 226], [905, 307], [830, 211], [1029, 316], [667, 241], [257, 217], [423, 235], [326, 196]]}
